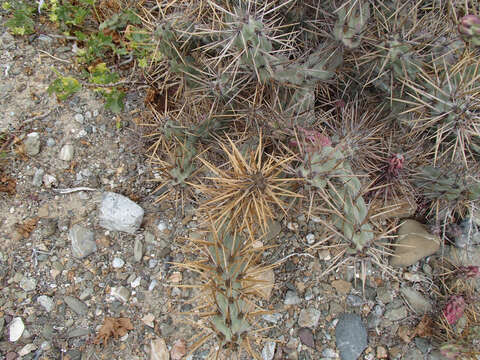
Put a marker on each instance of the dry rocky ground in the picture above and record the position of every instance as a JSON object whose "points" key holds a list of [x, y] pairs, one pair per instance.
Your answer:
{"points": [[63, 272]]}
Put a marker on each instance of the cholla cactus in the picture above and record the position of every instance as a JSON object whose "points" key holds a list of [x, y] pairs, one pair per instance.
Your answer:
{"points": [[231, 287], [351, 23], [327, 170]]}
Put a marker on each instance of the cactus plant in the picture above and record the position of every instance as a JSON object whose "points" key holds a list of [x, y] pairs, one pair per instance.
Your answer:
{"points": [[351, 23], [449, 189], [245, 190], [230, 289], [327, 170], [444, 106]]}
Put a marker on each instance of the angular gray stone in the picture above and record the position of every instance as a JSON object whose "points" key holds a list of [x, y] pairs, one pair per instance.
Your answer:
{"points": [[274, 228], [79, 118], [83, 241], [416, 300], [28, 284], [32, 144], [66, 153], [291, 298], [120, 293], [46, 302], [351, 336], [38, 177], [396, 313], [78, 332], [76, 305], [309, 317], [384, 294], [119, 213], [137, 250]]}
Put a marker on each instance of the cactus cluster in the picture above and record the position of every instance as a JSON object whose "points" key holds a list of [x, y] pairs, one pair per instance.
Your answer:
{"points": [[354, 94]]}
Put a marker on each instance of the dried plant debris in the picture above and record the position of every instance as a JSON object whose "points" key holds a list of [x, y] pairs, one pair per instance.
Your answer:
{"points": [[7, 184], [113, 327], [26, 228]]}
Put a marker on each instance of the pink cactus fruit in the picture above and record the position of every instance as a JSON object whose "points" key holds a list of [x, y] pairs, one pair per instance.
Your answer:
{"points": [[469, 28], [395, 164], [314, 139], [454, 309], [469, 25], [469, 272]]}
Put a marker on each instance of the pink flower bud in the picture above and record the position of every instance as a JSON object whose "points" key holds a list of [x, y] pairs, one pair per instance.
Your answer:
{"points": [[469, 25], [454, 309]]}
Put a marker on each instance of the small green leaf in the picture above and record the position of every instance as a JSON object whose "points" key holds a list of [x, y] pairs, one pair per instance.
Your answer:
{"points": [[114, 101], [64, 87]]}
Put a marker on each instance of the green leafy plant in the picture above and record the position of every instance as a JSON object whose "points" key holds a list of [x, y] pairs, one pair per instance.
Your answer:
{"points": [[100, 74], [21, 21], [64, 86]]}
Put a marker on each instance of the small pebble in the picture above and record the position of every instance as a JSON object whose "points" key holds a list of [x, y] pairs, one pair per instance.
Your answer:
{"points": [[292, 226], [46, 302], [38, 177], [79, 118], [117, 263], [135, 283], [310, 239], [66, 153], [162, 226], [152, 285]]}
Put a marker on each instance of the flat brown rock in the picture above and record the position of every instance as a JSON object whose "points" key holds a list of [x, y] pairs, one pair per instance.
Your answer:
{"points": [[414, 243]]}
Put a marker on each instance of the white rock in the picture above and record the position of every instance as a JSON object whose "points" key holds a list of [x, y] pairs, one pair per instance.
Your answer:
{"points": [[152, 285], [49, 180], [310, 239], [117, 263], [119, 213], [149, 319], [268, 350], [16, 329], [32, 143], [159, 350], [162, 226], [79, 118], [120, 293], [135, 283], [66, 153], [27, 349], [28, 284], [46, 302], [292, 226]]}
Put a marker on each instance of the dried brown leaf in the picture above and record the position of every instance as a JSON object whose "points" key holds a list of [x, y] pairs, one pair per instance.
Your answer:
{"points": [[113, 327], [424, 327], [27, 227], [7, 184]]}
